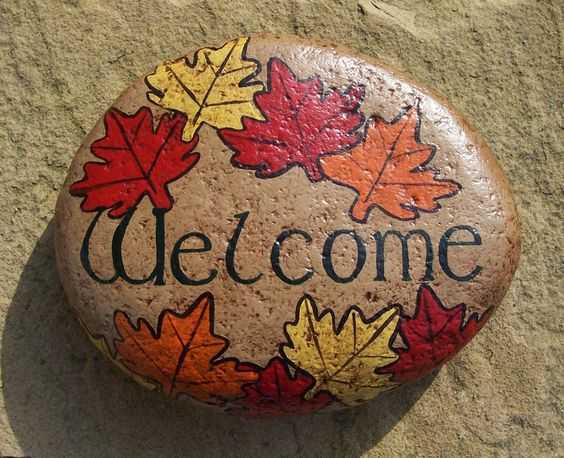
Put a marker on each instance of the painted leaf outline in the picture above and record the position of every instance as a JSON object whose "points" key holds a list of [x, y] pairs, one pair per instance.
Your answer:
{"points": [[302, 121], [277, 392], [101, 344], [217, 88], [389, 169], [137, 160], [433, 336], [322, 344], [183, 354]]}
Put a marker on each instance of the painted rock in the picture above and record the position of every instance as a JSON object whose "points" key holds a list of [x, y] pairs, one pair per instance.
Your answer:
{"points": [[277, 227]]}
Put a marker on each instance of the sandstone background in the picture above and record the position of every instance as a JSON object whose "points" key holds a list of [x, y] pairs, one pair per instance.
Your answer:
{"points": [[500, 62]]}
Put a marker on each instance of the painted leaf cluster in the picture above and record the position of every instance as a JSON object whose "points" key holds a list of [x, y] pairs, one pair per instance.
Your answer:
{"points": [[137, 161], [217, 89], [434, 335], [292, 123], [317, 129], [323, 362], [303, 122]]}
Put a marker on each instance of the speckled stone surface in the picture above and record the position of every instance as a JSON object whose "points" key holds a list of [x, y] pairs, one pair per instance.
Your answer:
{"points": [[498, 62], [270, 214]]}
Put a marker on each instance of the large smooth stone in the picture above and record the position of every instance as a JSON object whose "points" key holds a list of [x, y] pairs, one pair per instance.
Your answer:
{"points": [[275, 226]]}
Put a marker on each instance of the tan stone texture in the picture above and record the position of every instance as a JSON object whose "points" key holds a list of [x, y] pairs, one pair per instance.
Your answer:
{"points": [[498, 62]]}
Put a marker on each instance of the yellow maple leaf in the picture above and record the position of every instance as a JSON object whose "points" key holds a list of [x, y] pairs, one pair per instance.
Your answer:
{"points": [[101, 344], [343, 359], [215, 89]]}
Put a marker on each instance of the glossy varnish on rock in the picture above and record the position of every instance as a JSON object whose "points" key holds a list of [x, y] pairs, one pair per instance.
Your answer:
{"points": [[275, 226]]}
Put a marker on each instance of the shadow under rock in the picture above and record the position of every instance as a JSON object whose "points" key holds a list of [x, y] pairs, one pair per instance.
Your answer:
{"points": [[63, 399]]}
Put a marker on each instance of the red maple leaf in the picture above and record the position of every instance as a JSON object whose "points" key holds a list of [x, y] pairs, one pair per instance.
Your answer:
{"points": [[277, 393], [301, 124], [138, 161], [433, 336]]}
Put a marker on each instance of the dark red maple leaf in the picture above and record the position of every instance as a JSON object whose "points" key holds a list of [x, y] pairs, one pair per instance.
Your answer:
{"points": [[433, 336], [138, 161], [277, 393], [301, 124]]}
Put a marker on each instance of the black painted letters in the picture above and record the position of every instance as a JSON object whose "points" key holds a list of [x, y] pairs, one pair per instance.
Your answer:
{"points": [[443, 251], [275, 257], [380, 242], [328, 255], [231, 249], [176, 265]]}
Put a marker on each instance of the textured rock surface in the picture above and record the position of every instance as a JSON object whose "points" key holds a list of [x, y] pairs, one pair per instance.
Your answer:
{"points": [[498, 61]]}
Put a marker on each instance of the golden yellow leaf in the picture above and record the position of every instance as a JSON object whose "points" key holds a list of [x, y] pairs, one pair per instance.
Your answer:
{"points": [[343, 359], [100, 342], [215, 89]]}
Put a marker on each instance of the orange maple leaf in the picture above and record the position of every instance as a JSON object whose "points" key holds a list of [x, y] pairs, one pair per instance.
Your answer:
{"points": [[182, 356], [388, 170]]}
